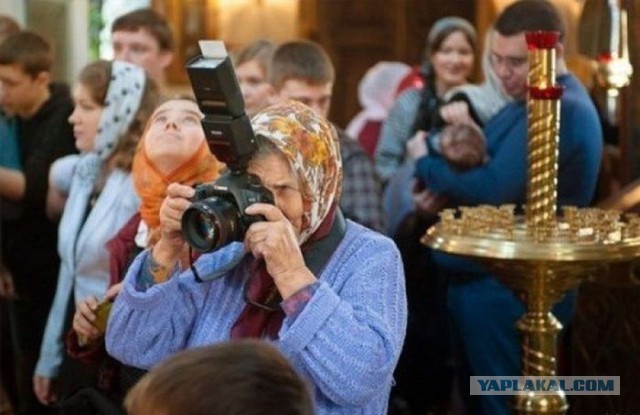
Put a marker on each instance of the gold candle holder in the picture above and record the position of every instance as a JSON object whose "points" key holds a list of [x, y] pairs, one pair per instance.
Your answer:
{"points": [[541, 256]]}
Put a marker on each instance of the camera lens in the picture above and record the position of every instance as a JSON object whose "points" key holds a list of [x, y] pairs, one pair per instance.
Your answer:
{"points": [[210, 224]]}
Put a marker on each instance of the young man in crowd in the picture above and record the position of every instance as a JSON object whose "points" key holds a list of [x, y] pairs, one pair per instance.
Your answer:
{"points": [[144, 38], [302, 71], [42, 109]]}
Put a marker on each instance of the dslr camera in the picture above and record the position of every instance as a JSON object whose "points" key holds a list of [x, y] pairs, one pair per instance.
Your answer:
{"points": [[216, 217]]}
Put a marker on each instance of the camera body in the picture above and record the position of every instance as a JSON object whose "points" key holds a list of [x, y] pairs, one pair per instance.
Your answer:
{"points": [[216, 217]]}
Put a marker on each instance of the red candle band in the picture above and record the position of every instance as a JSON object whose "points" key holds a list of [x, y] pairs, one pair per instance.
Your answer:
{"points": [[604, 57], [552, 92], [542, 39]]}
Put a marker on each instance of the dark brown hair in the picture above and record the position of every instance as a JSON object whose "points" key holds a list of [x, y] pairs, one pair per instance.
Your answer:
{"points": [[28, 50], [247, 377], [300, 59], [446, 26], [149, 20], [530, 15], [96, 77]]}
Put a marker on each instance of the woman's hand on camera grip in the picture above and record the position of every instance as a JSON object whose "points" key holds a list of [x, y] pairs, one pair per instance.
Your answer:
{"points": [[275, 240]]}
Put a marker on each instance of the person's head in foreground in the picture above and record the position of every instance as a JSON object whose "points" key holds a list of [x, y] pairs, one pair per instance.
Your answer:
{"points": [[247, 377]]}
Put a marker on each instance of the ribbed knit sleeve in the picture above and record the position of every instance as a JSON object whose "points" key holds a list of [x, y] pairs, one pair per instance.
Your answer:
{"points": [[345, 340], [349, 342], [155, 322]]}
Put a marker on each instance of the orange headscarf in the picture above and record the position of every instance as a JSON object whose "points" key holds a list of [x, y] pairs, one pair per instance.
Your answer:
{"points": [[151, 185]]}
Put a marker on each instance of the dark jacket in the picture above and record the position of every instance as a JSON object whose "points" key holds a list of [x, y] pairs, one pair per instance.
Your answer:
{"points": [[43, 138]]}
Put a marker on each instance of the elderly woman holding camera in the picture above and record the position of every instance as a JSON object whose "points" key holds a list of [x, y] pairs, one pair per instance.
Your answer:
{"points": [[327, 291]]}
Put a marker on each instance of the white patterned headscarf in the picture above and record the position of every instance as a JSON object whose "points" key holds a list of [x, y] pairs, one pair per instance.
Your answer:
{"points": [[120, 106], [123, 98], [311, 145]]}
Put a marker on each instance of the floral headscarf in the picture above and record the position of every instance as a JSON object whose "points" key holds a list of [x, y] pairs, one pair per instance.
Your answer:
{"points": [[311, 145]]}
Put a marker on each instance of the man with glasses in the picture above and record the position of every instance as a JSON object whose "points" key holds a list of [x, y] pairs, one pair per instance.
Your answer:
{"points": [[483, 311]]}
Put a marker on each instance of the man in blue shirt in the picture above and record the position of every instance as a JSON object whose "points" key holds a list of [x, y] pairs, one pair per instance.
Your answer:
{"points": [[484, 312]]}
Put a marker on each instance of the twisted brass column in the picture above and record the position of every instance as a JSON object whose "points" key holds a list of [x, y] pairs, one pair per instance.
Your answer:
{"points": [[539, 328], [544, 122]]}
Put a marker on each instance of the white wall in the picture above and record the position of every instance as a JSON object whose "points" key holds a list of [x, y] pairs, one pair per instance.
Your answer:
{"points": [[78, 36], [65, 23], [15, 9], [111, 10]]}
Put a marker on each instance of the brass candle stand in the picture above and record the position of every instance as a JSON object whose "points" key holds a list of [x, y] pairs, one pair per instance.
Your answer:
{"points": [[540, 255]]}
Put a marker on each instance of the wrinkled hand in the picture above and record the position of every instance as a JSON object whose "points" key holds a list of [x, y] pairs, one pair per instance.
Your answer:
{"points": [[83, 320], [456, 113], [7, 289], [276, 242], [428, 203], [417, 145], [171, 242], [43, 389]]}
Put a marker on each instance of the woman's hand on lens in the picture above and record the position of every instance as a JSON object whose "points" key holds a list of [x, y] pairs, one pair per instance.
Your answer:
{"points": [[276, 242], [83, 320]]}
